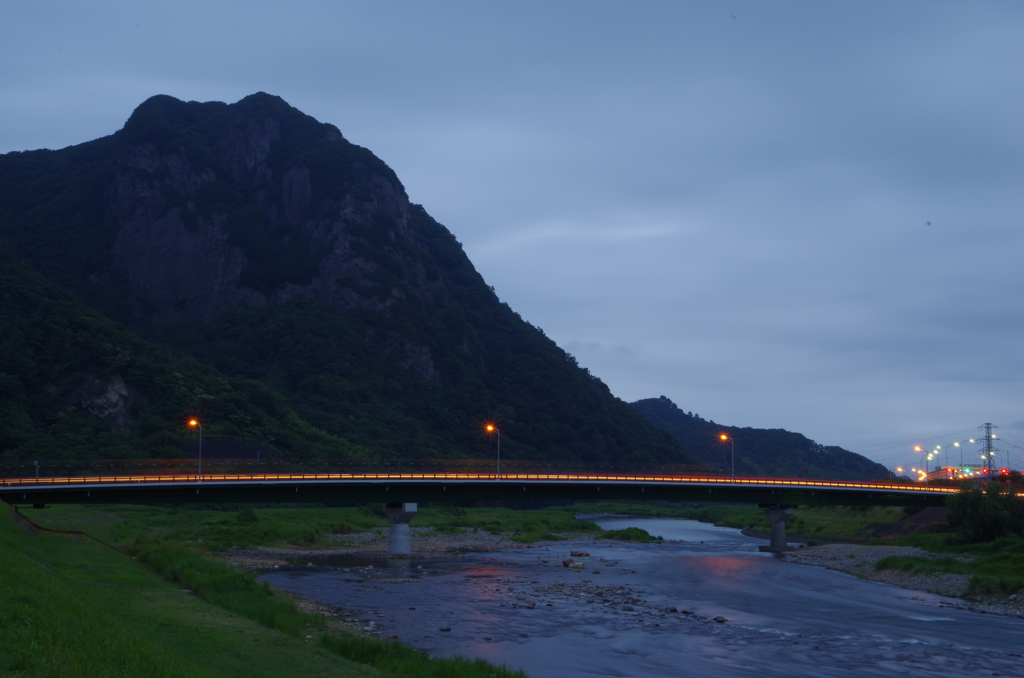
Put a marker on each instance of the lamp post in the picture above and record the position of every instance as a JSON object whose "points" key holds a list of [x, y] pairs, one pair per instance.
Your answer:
{"points": [[491, 428], [960, 445], [918, 448], [194, 423], [732, 443]]}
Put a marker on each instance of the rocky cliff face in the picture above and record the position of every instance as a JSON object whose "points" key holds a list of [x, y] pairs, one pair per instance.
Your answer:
{"points": [[109, 399], [186, 224]]}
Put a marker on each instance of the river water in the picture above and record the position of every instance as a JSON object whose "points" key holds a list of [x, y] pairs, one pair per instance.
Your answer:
{"points": [[782, 619]]}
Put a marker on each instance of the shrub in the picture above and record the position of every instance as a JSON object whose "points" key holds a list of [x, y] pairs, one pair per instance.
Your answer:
{"points": [[979, 516], [631, 534], [531, 537]]}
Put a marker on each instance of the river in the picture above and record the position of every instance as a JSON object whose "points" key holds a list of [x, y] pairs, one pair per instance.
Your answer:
{"points": [[781, 619]]}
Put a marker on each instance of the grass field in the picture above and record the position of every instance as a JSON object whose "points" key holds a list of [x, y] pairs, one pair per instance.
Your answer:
{"points": [[216, 529]]}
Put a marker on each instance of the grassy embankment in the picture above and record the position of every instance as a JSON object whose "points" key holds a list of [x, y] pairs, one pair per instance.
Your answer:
{"points": [[70, 606]]}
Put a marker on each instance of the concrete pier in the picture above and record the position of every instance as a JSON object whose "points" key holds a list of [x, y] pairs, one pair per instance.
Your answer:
{"points": [[399, 515], [777, 516]]}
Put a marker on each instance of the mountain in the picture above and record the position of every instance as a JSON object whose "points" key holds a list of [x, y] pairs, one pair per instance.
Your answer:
{"points": [[267, 248], [760, 452]]}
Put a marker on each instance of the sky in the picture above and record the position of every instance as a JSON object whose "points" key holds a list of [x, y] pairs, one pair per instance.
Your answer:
{"points": [[797, 215]]}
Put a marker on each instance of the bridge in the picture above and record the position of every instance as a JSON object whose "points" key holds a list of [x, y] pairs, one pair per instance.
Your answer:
{"points": [[402, 492]]}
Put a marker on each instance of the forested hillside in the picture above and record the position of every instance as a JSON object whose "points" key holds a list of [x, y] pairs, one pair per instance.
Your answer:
{"points": [[275, 257], [761, 452], [75, 385]]}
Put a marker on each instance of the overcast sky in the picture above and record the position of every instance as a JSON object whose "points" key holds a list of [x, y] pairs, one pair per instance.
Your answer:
{"points": [[800, 215]]}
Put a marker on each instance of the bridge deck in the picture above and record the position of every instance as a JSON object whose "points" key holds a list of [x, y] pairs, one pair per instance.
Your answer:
{"points": [[92, 481], [355, 487]]}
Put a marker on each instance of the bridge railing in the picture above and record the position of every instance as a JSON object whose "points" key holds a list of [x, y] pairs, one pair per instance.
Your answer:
{"points": [[173, 467], [185, 471]]}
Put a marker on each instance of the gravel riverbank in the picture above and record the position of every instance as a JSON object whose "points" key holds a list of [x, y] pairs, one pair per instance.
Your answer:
{"points": [[859, 560], [428, 545]]}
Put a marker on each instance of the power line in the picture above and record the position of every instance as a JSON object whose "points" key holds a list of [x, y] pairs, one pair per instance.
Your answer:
{"points": [[911, 443]]}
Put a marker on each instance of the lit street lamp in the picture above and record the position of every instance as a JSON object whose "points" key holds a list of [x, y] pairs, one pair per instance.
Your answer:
{"points": [[733, 444], [918, 448], [195, 423], [491, 428], [960, 445]]}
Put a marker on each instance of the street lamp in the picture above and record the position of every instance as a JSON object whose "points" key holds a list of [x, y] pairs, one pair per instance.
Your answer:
{"points": [[960, 445], [733, 444], [491, 428], [946, 449], [194, 423], [927, 458]]}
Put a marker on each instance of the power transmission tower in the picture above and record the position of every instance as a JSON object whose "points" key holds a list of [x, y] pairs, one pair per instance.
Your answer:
{"points": [[989, 437]]}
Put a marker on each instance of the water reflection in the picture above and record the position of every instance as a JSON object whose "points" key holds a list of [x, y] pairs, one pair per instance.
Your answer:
{"points": [[729, 568]]}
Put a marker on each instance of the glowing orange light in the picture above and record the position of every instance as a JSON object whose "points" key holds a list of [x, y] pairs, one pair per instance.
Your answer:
{"points": [[490, 427], [724, 437], [193, 422], [918, 448]]}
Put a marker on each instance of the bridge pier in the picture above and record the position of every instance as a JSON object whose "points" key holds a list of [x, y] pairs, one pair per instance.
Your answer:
{"points": [[777, 516], [399, 514]]}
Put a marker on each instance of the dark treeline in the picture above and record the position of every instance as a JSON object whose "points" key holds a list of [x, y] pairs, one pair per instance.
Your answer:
{"points": [[75, 385], [759, 452]]}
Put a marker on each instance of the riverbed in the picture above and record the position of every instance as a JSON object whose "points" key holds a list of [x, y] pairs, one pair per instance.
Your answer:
{"points": [[705, 603]]}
